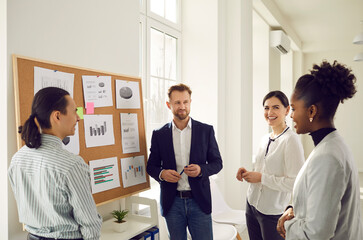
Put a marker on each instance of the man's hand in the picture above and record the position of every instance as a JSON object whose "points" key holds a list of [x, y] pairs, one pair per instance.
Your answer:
{"points": [[239, 173], [192, 170], [288, 215], [252, 177], [170, 176]]}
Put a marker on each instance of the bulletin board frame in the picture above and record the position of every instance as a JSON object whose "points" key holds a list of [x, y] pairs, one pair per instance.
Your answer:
{"points": [[23, 76]]}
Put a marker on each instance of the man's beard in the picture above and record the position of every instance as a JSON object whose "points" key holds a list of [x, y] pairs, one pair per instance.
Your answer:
{"points": [[181, 116]]}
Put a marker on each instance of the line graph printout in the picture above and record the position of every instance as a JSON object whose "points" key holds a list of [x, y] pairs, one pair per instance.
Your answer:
{"points": [[104, 174], [129, 133], [52, 78], [133, 171], [98, 130]]}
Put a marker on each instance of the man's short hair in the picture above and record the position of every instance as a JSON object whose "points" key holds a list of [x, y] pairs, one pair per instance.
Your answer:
{"points": [[180, 88]]}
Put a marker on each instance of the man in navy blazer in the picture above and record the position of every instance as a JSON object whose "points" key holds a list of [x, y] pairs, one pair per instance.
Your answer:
{"points": [[183, 154]]}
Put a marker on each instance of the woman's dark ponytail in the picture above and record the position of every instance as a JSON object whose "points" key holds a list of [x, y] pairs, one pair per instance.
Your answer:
{"points": [[44, 103], [30, 133]]}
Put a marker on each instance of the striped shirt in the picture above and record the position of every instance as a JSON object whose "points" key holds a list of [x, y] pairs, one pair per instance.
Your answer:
{"points": [[53, 192]]}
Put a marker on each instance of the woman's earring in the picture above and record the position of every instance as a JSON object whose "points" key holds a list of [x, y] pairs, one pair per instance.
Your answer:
{"points": [[311, 119]]}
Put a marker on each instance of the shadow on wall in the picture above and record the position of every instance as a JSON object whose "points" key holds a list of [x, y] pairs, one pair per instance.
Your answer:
{"points": [[361, 191]]}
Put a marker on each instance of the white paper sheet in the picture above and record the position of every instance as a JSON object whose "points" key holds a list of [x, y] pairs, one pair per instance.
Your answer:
{"points": [[98, 130], [133, 171], [73, 145], [52, 78], [104, 174], [127, 94], [97, 89], [129, 133]]}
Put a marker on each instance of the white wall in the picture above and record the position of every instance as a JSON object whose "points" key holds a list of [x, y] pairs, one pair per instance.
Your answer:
{"points": [[217, 63], [3, 123], [287, 82], [85, 33], [349, 115], [261, 76], [200, 57], [238, 98], [275, 70]]}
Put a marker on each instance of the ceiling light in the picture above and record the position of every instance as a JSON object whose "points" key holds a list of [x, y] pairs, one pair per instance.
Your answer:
{"points": [[358, 39], [358, 57]]}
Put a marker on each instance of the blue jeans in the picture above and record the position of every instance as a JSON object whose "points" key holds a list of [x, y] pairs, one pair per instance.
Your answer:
{"points": [[186, 213]]}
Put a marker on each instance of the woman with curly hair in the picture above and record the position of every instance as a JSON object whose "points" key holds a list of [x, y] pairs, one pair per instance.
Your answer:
{"points": [[326, 199]]}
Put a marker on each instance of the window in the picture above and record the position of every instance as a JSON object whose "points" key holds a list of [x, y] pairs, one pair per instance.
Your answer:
{"points": [[159, 63], [160, 57], [162, 70], [165, 11]]}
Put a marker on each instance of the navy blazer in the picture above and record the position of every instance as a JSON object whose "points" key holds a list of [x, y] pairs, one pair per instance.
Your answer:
{"points": [[203, 151]]}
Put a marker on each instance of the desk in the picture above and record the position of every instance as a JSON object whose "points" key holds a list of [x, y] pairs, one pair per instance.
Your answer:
{"points": [[134, 228], [137, 223]]}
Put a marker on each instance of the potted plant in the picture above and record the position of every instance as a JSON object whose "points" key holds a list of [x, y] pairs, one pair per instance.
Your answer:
{"points": [[120, 225]]}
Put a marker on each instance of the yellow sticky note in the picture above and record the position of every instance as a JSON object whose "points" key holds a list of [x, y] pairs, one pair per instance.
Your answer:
{"points": [[80, 112]]}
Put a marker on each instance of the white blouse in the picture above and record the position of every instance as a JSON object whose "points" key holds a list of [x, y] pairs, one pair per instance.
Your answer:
{"points": [[279, 169], [326, 196]]}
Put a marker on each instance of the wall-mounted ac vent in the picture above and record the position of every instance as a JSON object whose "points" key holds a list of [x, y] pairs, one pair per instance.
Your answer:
{"points": [[280, 41]]}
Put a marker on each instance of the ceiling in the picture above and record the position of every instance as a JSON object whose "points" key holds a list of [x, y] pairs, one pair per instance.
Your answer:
{"points": [[323, 24]]}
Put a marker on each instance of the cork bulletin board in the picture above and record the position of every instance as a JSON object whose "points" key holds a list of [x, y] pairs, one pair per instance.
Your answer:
{"points": [[23, 73]]}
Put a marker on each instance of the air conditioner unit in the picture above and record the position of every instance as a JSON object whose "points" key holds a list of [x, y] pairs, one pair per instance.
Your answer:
{"points": [[280, 41]]}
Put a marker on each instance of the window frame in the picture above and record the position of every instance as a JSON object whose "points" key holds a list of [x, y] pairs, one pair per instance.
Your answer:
{"points": [[163, 20], [171, 32], [150, 20], [143, 6]]}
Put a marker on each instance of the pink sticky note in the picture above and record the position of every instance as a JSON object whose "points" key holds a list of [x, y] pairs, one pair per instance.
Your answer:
{"points": [[90, 108]]}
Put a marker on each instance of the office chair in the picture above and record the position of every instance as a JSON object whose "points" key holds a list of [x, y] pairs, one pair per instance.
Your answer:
{"points": [[222, 213], [221, 232]]}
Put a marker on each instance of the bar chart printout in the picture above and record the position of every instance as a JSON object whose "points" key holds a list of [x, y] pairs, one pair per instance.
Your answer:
{"points": [[104, 174], [98, 130], [133, 171]]}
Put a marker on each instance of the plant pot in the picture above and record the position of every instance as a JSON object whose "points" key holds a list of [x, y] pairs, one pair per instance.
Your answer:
{"points": [[120, 227]]}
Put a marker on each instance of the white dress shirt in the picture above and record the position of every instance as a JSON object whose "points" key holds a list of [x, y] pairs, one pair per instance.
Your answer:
{"points": [[53, 192], [181, 142], [326, 196], [279, 169]]}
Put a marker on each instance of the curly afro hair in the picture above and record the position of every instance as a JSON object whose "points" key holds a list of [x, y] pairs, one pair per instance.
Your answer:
{"points": [[326, 85]]}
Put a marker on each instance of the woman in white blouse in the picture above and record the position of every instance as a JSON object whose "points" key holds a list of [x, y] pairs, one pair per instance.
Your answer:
{"points": [[326, 199], [277, 163]]}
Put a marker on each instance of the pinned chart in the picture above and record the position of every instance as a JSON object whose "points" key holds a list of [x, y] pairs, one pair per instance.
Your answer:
{"points": [[104, 174], [127, 94], [133, 171], [52, 78], [97, 89], [98, 130], [129, 133]]}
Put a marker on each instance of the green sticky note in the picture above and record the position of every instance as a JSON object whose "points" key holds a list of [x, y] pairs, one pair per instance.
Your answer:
{"points": [[80, 112]]}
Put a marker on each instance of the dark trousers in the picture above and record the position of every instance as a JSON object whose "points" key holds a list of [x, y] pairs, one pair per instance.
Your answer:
{"points": [[261, 226], [35, 237]]}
